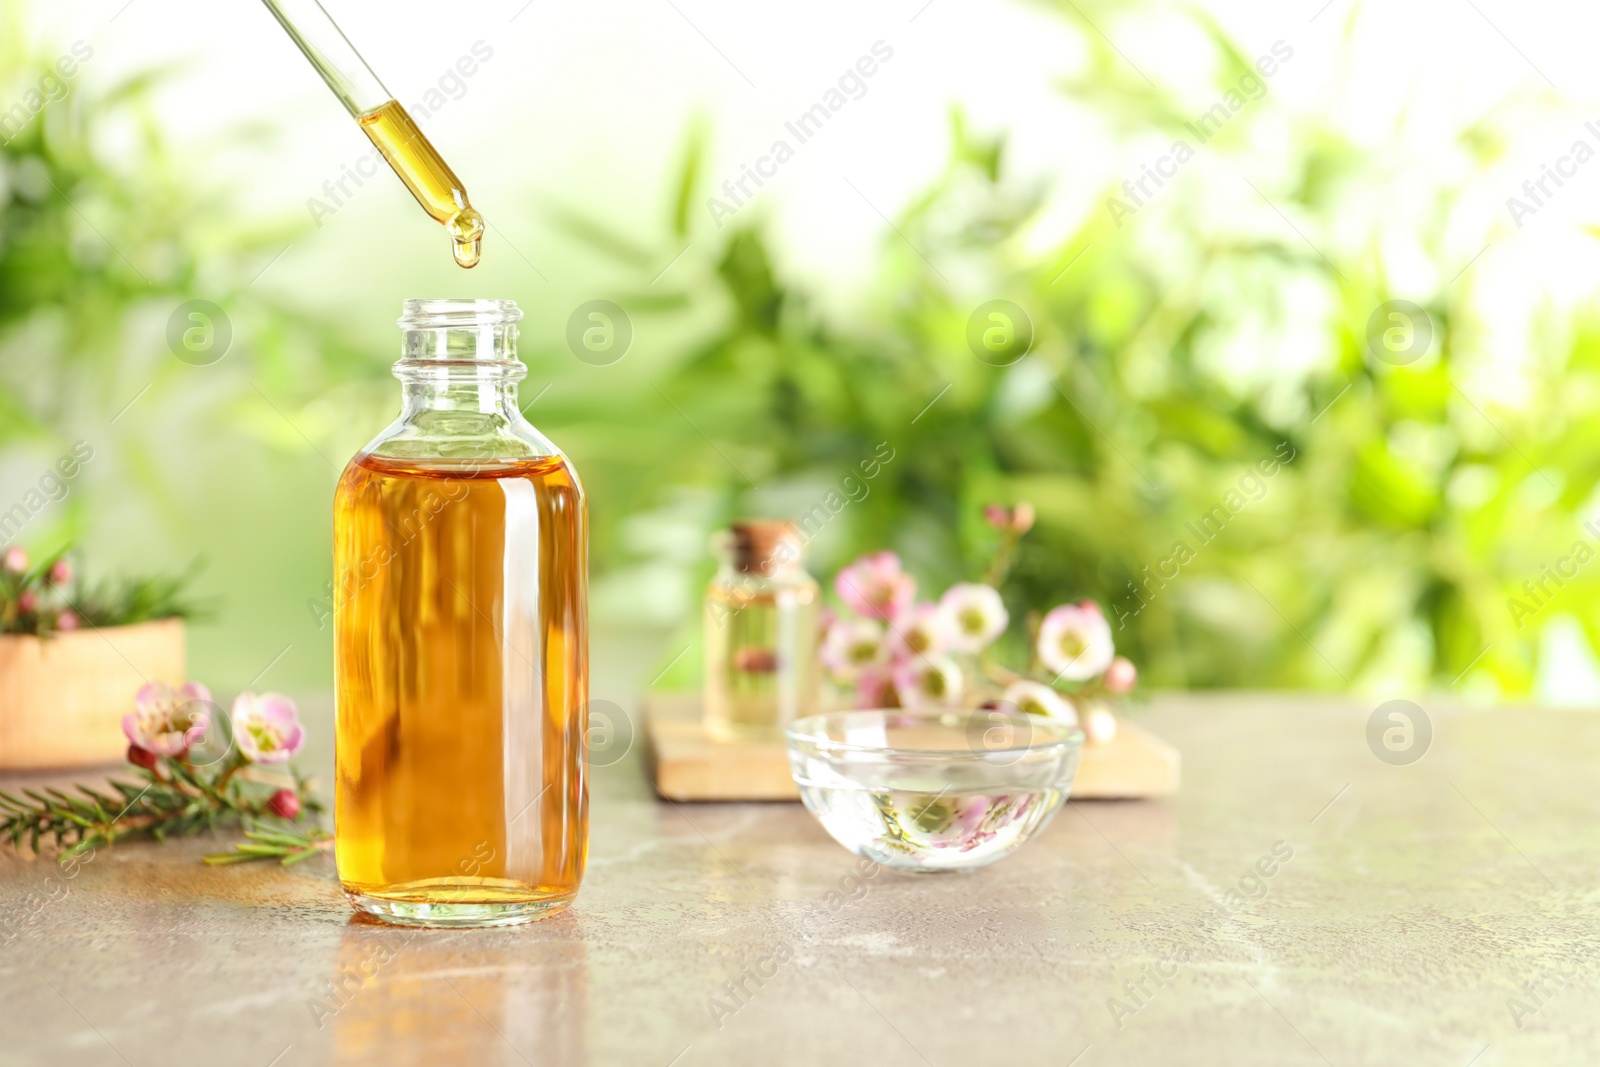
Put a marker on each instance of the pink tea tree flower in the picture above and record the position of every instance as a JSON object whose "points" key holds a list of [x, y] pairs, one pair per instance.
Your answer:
{"points": [[267, 727], [187, 788], [928, 681], [851, 645], [956, 823], [1075, 642], [167, 721], [919, 630], [1036, 698], [874, 688], [895, 651], [875, 587], [15, 560], [975, 615]]}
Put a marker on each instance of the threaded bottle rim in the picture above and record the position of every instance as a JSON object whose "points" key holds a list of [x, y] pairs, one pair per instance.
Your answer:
{"points": [[443, 313], [466, 338]]}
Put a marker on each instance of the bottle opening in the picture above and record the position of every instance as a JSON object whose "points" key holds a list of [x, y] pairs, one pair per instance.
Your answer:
{"points": [[443, 313], [445, 336]]}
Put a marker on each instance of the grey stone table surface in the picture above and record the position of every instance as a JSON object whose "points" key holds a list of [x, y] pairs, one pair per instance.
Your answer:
{"points": [[1299, 902]]}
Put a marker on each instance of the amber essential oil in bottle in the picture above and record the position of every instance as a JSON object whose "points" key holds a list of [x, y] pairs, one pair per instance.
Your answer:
{"points": [[461, 643]]}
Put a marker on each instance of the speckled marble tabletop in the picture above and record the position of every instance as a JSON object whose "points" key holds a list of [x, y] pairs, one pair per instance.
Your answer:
{"points": [[1299, 902]]}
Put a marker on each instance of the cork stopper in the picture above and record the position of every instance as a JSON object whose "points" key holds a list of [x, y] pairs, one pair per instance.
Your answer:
{"points": [[764, 546]]}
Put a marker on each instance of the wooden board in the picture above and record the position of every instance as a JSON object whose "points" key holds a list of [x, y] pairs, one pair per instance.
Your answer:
{"points": [[685, 764]]}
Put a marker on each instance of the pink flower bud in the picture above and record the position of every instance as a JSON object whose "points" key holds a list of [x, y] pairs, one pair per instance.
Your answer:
{"points": [[60, 572], [28, 601], [1101, 726], [142, 757], [286, 802], [1089, 605], [15, 561], [1018, 519], [67, 621], [1121, 676]]}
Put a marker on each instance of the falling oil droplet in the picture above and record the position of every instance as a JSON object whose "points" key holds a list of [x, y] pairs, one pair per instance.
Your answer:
{"points": [[466, 236], [427, 175]]}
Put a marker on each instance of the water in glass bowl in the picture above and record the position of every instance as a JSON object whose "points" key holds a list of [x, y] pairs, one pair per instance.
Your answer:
{"points": [[938, 790], [922, 826]]}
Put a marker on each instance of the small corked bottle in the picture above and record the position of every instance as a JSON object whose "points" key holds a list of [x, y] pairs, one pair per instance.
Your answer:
{"points": [[761, 621]]}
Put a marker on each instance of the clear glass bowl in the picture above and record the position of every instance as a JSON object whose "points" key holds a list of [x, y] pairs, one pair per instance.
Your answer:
{"points": [[926, 791]]}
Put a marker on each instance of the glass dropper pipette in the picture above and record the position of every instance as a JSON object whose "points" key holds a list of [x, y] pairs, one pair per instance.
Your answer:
{"points": [[385, 123]]}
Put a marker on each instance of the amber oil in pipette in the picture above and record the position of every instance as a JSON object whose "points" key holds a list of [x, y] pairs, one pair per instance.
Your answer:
{"points": [[430, 179]]}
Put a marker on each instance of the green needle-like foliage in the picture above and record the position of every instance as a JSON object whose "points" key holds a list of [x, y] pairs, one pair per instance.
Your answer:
{"points": [[177, 799]]}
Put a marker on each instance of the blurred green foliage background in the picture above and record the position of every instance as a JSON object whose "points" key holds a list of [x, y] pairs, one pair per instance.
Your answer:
{"points": [[1165, 368]]}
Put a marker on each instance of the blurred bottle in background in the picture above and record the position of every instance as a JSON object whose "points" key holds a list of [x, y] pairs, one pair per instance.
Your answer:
{"points": [[761, 620]]}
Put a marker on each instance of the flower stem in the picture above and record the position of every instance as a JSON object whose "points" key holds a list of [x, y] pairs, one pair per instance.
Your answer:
{"points": [[1000, 563]]}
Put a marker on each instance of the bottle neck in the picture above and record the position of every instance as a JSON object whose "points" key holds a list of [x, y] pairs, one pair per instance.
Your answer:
{"points": [[465, 395], [464, 369], [731, 577]]}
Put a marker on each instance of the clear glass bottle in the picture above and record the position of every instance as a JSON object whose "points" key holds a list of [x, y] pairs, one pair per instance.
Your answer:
{"points": [[461, 641], [761, 619]]}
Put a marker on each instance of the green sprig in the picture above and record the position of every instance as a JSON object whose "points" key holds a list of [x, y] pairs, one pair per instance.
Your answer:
{"points": [[265, 844], [176, 799]]}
